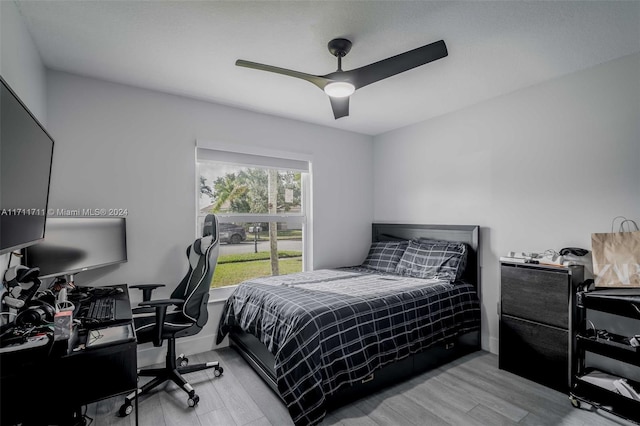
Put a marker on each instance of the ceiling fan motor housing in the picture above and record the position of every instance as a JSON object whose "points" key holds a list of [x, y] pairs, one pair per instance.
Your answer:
{"points": [[339, 47]]}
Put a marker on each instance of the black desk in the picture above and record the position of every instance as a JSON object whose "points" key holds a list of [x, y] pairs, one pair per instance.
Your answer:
{"points": [[49, 384]]}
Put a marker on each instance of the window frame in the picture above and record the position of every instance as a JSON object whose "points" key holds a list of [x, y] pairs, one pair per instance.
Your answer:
{"points": [[221, 293]]}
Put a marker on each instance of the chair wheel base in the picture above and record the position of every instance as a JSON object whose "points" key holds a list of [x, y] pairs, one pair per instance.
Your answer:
{"points": [[182, 361], [217, 371], [125, 409], [193, 401]]}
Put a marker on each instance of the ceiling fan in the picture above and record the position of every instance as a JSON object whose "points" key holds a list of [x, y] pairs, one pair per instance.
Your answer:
{"points": [[339, 85]]}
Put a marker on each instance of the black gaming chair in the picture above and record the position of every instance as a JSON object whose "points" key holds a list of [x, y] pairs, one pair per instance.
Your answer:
{"points": [[154, 324]]}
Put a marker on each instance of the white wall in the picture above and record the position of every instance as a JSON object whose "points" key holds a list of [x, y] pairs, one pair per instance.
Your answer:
{"points": [[124, 147], [540, 168], [20, 63], [22, 69]]}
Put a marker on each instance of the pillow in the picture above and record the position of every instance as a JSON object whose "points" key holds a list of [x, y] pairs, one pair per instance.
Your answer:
{"points": [[384, 255], [443, 260]]}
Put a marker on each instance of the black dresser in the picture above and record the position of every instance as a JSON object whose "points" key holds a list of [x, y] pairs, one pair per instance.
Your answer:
{"points": [[535, 320]]}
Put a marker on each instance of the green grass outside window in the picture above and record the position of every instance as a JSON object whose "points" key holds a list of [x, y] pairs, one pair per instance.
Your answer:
{"points": [[235, 268]]}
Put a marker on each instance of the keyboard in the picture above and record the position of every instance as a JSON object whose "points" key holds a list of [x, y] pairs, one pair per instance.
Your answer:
{"points": [[102, 309]]}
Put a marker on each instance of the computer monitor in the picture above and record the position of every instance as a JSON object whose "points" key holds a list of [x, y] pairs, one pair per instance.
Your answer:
{"points": [[77, 244], [26, 151]]}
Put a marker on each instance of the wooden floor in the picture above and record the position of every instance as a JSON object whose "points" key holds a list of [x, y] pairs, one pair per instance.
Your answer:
{"points": [[469, 391]]}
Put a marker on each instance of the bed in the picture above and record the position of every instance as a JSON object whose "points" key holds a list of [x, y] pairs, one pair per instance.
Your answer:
{"points": [[322, 338]]}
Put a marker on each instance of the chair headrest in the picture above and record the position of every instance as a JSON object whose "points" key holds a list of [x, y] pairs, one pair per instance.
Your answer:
{"points": [[210, 225], [201, 245]]}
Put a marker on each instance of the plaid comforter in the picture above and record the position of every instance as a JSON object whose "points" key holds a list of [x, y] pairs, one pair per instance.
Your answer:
{"points": [[330, 328]]}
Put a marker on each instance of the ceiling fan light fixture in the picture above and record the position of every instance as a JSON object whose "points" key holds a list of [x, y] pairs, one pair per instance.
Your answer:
{"points": [[339, 85], [339, 89]]}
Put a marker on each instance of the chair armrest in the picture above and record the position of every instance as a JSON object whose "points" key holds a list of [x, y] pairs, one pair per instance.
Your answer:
{"points": [[161, 306], [146, 290], [139, 310], [162, 302]]}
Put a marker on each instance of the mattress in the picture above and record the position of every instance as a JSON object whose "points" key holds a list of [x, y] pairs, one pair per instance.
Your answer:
{"points": [[330, 328]]}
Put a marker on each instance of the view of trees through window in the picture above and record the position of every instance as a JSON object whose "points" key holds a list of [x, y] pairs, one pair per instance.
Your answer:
{"points": [[270, 243]]}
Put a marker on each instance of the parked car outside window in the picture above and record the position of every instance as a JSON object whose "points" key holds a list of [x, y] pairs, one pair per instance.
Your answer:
{"points": [[232, 234]]}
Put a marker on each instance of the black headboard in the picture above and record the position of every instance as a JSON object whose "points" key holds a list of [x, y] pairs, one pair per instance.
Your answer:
{"points": [[469, 234]]}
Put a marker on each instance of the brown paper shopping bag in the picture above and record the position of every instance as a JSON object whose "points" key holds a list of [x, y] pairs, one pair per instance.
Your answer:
{"points": [[616, 258]]}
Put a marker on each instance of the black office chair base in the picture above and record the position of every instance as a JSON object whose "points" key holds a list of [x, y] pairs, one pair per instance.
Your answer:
{"points": [[172, 371]]}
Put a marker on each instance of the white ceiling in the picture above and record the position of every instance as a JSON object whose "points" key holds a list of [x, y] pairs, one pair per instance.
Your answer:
{"points": [[189, 48]]}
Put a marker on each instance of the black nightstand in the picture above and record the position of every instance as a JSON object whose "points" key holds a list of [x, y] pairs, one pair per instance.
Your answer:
{"points": [[535, 305]]}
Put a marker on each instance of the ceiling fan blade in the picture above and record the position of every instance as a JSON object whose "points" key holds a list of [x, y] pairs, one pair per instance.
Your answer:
{"points": [[385, 68], [319, 81], [340, 106]]}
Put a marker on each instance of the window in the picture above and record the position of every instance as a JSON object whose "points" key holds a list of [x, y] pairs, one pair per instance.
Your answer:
{"points": [[261, 204]]}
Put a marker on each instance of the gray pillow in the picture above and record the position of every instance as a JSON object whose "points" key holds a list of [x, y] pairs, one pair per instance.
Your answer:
{"points": [[443, 260], [384, 255]]}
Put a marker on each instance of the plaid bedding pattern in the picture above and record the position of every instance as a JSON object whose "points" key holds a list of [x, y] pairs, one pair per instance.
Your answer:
{"points": [[330, 328], [384, 255], [443, 260]]}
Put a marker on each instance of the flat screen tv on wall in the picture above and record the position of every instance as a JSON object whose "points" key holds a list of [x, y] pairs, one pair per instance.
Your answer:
{"points": [[26, 153]]}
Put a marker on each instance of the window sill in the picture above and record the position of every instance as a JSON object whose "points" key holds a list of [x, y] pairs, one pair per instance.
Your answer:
{"points": [[221, 294]]}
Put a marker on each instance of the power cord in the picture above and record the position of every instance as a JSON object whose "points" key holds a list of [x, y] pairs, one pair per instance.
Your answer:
{"points": [[13, 253]]}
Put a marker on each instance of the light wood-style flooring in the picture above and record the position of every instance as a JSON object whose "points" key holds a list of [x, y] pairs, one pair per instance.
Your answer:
{"points": [[469, 391]]}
